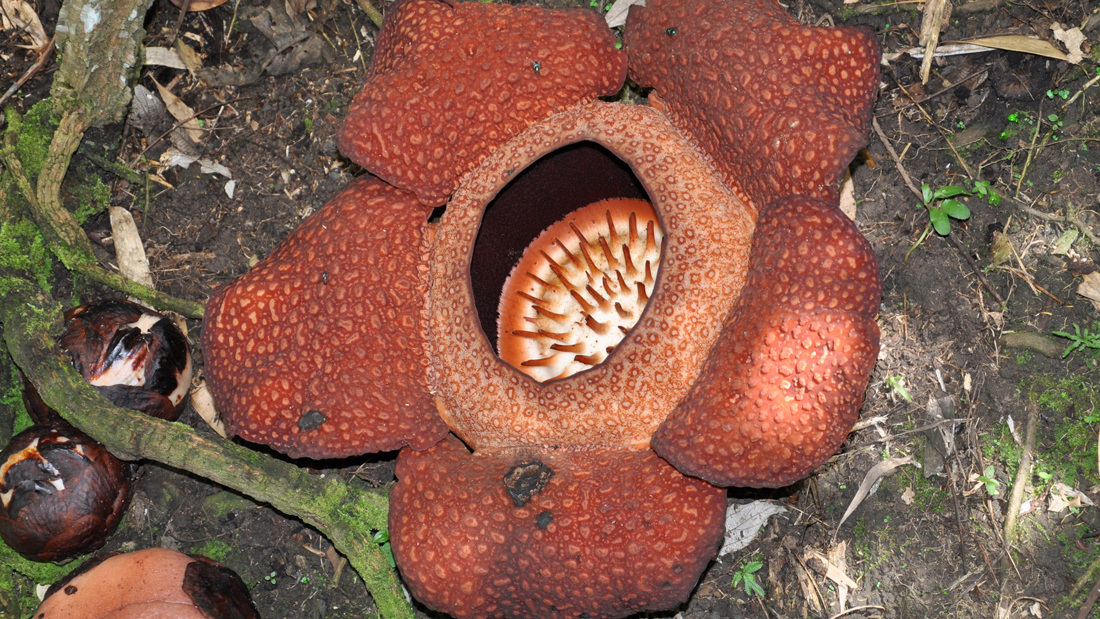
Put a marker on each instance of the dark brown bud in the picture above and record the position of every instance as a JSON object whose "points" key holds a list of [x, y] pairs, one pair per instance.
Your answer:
{"points": [[61, 493], [132, 355]]}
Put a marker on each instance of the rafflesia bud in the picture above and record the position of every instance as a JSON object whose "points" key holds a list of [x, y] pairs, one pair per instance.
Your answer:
{"points": [[132, 355], [61, 493], [155, 582]]}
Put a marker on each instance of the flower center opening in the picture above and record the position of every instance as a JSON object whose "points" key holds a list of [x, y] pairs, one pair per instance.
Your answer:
{"points": [[579, 288], [566, 258]]}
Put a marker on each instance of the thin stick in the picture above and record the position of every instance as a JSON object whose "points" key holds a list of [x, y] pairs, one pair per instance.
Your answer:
{"points": [[373, 14], [43, 56], [1023, 474], [1086, 608], [856, 610]]}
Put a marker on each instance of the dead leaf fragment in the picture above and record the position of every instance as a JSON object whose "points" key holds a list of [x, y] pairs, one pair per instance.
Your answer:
{"points": [[832, 572], [19, 15], [182, 113], [204, 406], [129, 251], [1001, 250], [163, 57], [616, 15], [1020, 43], [876, 473], [1062, 497], [744, 522], [848, 196], [196, 6], [937, 15], [1072, 39], [1090, 288]]}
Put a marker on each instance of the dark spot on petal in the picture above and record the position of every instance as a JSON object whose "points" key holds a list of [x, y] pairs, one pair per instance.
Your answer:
{"points": [[526, 479], [311, 420], [70, 590], [544, 519]]}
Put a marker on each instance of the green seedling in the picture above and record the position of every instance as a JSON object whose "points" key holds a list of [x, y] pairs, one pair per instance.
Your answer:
{"points": [[896, 384], [983, 190], [992, 486], [1063, 93], [942, 207], [746, 577], [382, 538], [1055, 122]]}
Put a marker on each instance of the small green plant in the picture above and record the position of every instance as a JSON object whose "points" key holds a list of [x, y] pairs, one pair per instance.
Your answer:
{"points": [[746, 577], [1055, 122], [1081, 339], [992, 486], [983, 189], [942, 207], [271, 579], [896, 384], [383, 539], [1063, 93]]}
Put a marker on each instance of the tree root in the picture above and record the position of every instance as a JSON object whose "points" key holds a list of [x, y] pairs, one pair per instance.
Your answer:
{"points": [[344, 514]]}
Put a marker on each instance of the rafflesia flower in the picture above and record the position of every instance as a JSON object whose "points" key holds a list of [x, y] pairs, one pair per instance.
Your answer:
{"points": [[617, 311]]}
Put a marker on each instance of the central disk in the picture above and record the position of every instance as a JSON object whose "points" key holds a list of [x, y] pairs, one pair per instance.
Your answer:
{"points": [[579, 288]]}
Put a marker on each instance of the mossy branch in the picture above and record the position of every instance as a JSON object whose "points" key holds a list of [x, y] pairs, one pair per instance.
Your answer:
{"points": [[342, 513], [63, 234]]}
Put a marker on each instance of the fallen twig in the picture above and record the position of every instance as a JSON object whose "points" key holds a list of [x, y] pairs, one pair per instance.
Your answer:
{"points": [[1023, 474], [43, 57], [1086, 608]]}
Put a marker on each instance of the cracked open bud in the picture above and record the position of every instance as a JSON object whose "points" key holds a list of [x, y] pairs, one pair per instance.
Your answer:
{"points": [[132, 355], [155, 582], [61, 493]]}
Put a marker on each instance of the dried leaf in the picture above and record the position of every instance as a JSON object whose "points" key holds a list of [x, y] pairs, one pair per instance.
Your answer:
{"points": [[204, 406], [1001, 250], [182, 113], [1020, 43], [200, 5], [832, 572], [163, 57], [1072, 39], [743, 523], [129, 251], [848, 196], [19, 15], [1062, 496], [837, 557], [1090, 288], [1064, 243], [876, 473], [616, 15], [173, 157], [191, 59], [809, 588]]}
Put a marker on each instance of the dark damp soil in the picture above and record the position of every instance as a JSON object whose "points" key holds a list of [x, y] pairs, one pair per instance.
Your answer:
{"points": [[954, 381]]}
